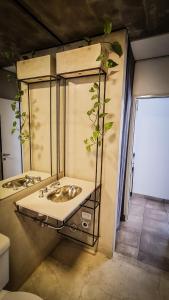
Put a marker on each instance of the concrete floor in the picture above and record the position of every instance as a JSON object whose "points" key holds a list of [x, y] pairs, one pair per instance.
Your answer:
{"points": [[71, 274], [145, 235]]}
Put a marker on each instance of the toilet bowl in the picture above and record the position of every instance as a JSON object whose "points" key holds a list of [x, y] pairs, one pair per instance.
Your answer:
{"points": [[4, 274]]}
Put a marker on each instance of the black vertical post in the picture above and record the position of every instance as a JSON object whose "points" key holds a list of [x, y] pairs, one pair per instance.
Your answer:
{"points": [[20, 124], [30, 137], [96, 166], [58, 125], [65, 129], [50, 100], [101, 166]]}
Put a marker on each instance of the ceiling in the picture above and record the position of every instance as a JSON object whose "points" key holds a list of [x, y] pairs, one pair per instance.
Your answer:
{"points": [[27, 25]]}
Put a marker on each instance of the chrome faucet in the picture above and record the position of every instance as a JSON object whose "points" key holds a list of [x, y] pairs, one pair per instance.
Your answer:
{"points": [[32, 179], [72, 191], [55, 184], [41, 193]]}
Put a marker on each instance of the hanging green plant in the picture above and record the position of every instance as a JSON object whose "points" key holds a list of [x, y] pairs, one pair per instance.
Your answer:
{"points": [[97, 102], [21, 116], [10, 56]]}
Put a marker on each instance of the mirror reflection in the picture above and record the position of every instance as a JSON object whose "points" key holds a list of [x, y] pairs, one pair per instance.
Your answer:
{"points": [[28, 162]]}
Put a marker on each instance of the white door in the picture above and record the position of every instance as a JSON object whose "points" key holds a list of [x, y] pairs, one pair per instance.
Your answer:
{"points": [[11, 149], [151, 148]]}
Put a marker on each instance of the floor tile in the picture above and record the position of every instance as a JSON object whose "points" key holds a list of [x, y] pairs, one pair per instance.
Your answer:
{"points": [[159, 228], [134, 223], [166, 205], [127, 250], [137, 210], [154, 260], [138, 201], [155, 204], [128, 238], [155, 214], [150, 222], [153, 244]]}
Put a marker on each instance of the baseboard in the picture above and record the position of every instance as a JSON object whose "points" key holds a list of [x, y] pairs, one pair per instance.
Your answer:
{"points": [[149, 197]]}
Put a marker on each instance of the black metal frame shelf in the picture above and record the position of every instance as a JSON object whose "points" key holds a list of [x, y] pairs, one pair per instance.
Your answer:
{"points": [[28, 82], [44, 220], [93, 202], [96, 201]]}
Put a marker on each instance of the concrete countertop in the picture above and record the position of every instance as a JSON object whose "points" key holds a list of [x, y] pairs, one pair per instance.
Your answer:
{"points": [[58, 210]]}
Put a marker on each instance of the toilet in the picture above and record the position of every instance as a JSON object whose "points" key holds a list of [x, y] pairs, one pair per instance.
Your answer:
{"points": [[4, 274]]}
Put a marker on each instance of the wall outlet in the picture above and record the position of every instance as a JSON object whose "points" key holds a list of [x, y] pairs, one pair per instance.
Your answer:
{"points": [[86, 216]]}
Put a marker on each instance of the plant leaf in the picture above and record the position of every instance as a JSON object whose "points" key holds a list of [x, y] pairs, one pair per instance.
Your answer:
{"points": [[13, 130], [86, 141], [106, 100], [97, 104], [92, 90], [96, 134], [94, 97], [90, 111], [24, 114], [116, 47], [14, 123], [108, 126], [88, 148], [13, 106], [102, 115], [100, 57], [96, 86], [111, 63], [107, 27]]}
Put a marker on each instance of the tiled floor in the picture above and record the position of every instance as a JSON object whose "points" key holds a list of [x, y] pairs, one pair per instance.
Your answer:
{"points": [[145, 235], [72, 274]]}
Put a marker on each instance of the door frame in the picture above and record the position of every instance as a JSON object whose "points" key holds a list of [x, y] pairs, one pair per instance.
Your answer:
{"points": [[128, 177], [1, 158], [1, 162]]}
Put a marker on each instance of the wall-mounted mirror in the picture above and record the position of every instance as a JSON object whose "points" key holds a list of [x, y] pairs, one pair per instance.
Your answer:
{"points": [[25, 164]]}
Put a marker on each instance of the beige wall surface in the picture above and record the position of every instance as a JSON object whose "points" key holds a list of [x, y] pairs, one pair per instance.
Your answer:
{"points": [[41, 137], [81, 164], [151, 77], [112, 148], [30, 243]]}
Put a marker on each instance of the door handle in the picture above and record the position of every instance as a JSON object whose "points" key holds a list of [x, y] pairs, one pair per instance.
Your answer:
{"points": [[5, 154]]}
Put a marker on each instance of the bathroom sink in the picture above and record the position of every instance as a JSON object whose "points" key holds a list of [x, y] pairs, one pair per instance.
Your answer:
{"points": [[65, 193], [22, 181], [15, 183]]}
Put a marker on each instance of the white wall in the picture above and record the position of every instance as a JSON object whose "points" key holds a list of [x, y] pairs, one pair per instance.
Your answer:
{"points": [[151, 147], [151, 77]]}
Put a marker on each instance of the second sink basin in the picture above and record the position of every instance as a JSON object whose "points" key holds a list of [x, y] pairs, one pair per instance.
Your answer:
{"points": [[65, 193], [15, 183]]}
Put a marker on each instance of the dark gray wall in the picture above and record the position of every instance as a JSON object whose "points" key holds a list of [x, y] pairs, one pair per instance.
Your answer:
{"points": [[8, 86]]}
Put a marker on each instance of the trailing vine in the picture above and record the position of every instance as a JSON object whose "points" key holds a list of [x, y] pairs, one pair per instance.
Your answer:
{"points": [[21, 116], [98, 102], [10, 56]]}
